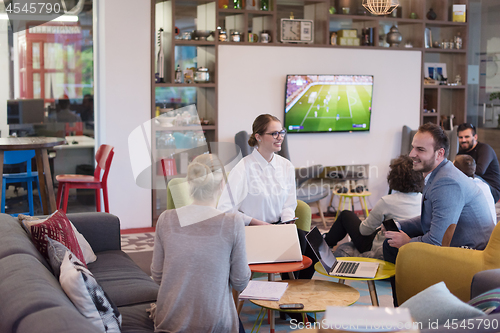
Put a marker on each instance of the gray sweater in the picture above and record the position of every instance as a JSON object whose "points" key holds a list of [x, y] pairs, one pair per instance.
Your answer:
{"points": [[196, 265]]}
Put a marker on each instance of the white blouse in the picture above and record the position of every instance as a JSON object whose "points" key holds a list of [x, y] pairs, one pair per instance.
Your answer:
{"points": [[260, 189]]}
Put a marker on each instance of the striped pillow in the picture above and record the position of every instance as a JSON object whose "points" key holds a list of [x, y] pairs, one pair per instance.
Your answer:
{"points": [[488, 302]]}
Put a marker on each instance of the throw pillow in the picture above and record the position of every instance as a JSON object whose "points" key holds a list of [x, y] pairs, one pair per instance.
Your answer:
{"points": [[56, 252], [488, 302], [437, 305], [89, 255], [87, 295], [57, 227]]}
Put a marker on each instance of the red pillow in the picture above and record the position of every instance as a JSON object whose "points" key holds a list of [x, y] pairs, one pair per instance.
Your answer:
{"points": [[57, 227]]}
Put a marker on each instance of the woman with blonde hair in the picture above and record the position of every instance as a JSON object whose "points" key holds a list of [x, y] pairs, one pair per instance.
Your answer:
{"points": [[198, 257]]}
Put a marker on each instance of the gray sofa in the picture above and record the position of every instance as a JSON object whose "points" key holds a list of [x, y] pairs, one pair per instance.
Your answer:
{"points": [[482, 282], [31, 298]]}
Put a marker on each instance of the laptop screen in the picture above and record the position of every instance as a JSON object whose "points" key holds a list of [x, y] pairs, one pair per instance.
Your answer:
{"points": [[321, 249]]}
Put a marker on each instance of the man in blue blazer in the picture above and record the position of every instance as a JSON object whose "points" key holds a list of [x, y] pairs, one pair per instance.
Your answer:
{"points": [[454, 210]]}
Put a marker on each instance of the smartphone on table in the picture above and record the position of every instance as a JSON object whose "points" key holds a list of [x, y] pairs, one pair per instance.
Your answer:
{"points": [[292, 306]]}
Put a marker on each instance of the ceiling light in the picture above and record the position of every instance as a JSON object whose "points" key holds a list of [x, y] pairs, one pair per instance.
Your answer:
{"points": [[380, 7]]}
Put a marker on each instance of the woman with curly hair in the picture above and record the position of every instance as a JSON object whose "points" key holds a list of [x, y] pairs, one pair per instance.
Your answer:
{"points": [[404, 202]]}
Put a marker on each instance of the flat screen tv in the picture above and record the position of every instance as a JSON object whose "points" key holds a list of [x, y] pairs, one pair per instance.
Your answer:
{"points": [[328, 103]]}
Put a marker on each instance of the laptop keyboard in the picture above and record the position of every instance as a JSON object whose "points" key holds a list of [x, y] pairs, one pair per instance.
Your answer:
{"points": [[347, 267]]}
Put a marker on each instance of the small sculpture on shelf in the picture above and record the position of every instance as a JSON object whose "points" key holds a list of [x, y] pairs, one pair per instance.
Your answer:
{"points": [[394, 37], [458, 41], [431, 15]]}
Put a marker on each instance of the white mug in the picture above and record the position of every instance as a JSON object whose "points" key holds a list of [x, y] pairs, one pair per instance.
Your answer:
{"points": [[265, 37]]}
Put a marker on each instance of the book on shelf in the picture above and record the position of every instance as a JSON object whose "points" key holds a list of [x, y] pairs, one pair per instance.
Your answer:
{"points": [[264, 290]]}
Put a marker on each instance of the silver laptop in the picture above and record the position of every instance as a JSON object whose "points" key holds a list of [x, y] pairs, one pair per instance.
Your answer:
{"points": [[356, 269], [272, 243]]}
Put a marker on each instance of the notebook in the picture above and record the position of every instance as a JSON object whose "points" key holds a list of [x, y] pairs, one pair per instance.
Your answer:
{"points": [[355, 269], [272, 243], [264, 290]]}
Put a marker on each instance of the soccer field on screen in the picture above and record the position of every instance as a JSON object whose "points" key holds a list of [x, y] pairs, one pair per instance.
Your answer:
{"points": [[329, 108]]}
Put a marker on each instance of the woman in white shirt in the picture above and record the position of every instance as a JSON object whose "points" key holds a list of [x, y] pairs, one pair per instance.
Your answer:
{"points": [[403, 203], [262, 185]]}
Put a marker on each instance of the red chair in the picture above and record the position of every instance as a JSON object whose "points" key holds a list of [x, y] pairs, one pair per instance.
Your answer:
{"points": [[103, 157], [76, 127]]}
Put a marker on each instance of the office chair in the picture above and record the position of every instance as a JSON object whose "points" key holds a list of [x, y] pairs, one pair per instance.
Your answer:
{"points": [[311, 193]]}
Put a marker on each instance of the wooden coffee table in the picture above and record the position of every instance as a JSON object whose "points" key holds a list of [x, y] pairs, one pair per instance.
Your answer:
{"points": [[316, 295]]}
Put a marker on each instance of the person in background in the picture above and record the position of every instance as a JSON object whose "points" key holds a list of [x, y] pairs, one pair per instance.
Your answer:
{"points": [[487, 166], [65, 115], [454, 212], [199, 255], [87, 113], [467, 165], [403, 203]]}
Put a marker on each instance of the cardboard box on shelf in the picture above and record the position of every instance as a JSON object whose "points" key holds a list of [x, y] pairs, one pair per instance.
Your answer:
{"points": [[459, 13], [346, 41], [349, 33]]}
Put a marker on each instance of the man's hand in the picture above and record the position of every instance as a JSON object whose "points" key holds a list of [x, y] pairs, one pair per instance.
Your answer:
{"points": [[397, 238]]}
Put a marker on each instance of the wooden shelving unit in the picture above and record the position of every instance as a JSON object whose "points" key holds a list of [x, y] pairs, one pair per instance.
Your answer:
{"points": [[208, 15]]}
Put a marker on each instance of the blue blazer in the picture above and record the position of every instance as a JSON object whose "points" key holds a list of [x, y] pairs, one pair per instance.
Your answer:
{"points": [[450, 197]]}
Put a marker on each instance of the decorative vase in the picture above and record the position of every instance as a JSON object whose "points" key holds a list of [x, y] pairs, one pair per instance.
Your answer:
{"points": [[393, 37], [431, 15]]}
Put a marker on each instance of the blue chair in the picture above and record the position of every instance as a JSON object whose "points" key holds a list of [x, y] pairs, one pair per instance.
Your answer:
{"points": [[16, 157]]}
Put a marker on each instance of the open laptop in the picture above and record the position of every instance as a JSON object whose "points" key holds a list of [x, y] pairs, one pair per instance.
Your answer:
{"points": [[272, 243], [355, 269]]}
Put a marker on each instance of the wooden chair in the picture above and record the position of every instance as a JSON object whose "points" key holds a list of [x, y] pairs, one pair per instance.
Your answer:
{"points": [[16, 157], [103, 157]]}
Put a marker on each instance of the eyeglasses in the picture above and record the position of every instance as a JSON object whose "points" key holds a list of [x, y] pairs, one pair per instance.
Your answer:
{"points": [[276, 134]]}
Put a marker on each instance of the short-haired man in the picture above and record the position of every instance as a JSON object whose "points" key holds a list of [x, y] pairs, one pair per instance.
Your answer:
{"points": [[467, 165], [487, 166], [454, 212]]}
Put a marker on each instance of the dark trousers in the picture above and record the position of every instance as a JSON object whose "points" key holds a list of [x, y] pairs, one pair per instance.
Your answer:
{"points": [[390, 254], [348, 224], [242, 329]]}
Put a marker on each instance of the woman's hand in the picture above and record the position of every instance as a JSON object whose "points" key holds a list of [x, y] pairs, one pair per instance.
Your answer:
{"points": [[258, 222]]}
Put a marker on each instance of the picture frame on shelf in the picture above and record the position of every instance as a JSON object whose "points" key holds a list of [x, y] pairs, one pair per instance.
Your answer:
{"points": [[435, 70]]}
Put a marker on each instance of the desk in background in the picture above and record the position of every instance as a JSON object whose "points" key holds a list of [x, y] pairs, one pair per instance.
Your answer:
{"points": [[79, 150]]}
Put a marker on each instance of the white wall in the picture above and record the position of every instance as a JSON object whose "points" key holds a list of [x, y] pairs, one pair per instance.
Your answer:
{"points": [[123, 99], [252, 81]]}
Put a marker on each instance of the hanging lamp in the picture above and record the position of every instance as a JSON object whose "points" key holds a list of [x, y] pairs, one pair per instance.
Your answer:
{"points": [[380, 7]]}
